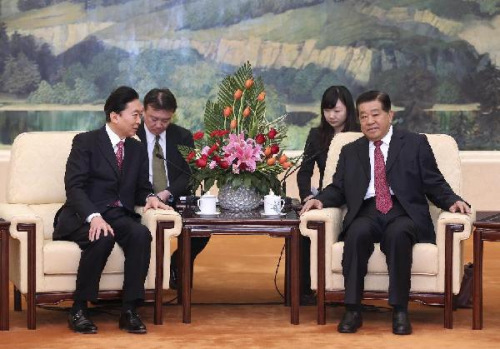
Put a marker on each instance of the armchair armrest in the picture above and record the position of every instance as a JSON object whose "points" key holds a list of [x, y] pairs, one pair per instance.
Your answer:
{"points": [[458, 227], [466, 220], [160, 259], [21, 214], [332, 217], [151, 217]]}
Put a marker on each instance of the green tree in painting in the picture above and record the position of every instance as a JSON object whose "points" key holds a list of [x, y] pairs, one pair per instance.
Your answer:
{"points": [[85, 91], [44, 94], [20, 76]]}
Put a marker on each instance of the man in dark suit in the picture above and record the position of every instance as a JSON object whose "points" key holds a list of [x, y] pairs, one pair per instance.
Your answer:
{"points": [[169, 172], [106, 176], [385, 179]]}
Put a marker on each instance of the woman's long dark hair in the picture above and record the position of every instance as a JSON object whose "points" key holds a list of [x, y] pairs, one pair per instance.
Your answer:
{"points": [[329, 100]]}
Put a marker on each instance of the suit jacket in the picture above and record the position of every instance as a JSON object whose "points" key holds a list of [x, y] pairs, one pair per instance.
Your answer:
{"points": [[179, 172], [312, 155], [412, 174], [93, 180]]}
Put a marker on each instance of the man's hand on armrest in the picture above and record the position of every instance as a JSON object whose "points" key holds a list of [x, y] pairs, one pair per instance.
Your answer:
{"points": [[460, 206], [154, 202], [311, 204]]}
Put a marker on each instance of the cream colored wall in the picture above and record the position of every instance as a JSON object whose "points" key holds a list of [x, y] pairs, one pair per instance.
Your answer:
{"points": [[480, 170]]}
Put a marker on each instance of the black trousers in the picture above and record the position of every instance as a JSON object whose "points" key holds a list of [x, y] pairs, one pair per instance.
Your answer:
{"points": [[305, 265], [135, 241], [197, 245], [396, 233]]}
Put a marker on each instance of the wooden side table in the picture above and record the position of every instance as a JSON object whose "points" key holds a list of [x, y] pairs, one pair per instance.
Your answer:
{"points": [[4, 275], [487, 229], [248, 223]]}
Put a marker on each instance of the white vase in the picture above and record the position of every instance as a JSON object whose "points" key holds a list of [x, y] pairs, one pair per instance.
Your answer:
{"points": [[238, 199]]}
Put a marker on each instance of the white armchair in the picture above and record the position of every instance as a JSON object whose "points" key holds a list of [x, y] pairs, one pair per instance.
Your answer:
{"points": [[45, 270], [437, 270]]}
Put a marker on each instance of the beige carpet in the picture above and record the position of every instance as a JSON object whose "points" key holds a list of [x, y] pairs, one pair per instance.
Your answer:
{"points": [[224, 274]]}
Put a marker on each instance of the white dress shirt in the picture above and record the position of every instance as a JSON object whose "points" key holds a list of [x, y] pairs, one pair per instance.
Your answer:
{"points": [[384, 147]]}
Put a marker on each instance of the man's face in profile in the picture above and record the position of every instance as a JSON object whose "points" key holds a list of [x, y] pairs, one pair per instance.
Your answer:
{"points": [[157, 120]]}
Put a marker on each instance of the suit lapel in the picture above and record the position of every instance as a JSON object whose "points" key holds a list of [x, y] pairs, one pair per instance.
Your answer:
{"points": [[397, 143], [364, 156], [127, 160], [107, 151]]}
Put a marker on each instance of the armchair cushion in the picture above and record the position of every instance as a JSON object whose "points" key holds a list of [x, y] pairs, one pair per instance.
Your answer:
{"points": [[424, 256]]}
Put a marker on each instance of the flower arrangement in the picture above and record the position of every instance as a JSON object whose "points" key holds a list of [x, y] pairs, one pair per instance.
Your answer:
{"points": [[239, 146]]}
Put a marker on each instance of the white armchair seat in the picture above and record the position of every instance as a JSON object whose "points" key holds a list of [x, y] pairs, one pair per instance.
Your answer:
{"points": [[45, 270]]}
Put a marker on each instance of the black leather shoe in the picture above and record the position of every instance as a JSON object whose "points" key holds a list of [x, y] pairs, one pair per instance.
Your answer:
{"points": [[131, 322], [80, 323], [351, 321], [174, 278], [401, 323], [308, 299]]}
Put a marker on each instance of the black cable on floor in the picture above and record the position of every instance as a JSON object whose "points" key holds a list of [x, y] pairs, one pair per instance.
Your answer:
{"points": [[276, 273]]}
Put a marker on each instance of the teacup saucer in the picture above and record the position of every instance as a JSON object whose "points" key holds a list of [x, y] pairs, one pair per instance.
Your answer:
{"points": [[273, 214], [207, 214]]}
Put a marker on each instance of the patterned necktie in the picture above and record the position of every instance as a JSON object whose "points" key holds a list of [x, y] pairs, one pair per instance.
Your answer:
{"points": [[119, 154], [382, 194], [119, 162], [160, 181]]}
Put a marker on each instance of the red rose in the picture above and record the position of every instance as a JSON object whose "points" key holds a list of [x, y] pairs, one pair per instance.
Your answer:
{"points": [[198, 135], [224, 164], [275, 149], [272, 133], [190, 156], [237, 94], [260, 138], [213, 148], [201, 163]]}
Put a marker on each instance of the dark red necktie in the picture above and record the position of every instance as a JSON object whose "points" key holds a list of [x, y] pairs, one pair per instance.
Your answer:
{"points": [[119, 154], [382, 194], [119, 161]]}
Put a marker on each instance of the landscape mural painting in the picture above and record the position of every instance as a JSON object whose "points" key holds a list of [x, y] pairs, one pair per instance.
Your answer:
{"points": [[438, 59]]}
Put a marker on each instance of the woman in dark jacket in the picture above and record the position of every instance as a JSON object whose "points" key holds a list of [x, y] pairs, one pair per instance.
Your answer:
{"points": [[338, 114]]}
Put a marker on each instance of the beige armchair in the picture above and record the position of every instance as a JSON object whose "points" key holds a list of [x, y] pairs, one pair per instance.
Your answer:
{"points": [[45, 270], [437, 270]]}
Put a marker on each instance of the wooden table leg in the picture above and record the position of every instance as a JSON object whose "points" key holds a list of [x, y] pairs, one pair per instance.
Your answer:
{"points": [[295, 275], [178, 264], [186, 275], [4, 276], [321, 286], [477, 296]]}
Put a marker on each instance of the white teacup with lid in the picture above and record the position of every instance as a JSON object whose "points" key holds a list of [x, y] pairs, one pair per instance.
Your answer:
{"points": [[273, 204], [207, 203]]}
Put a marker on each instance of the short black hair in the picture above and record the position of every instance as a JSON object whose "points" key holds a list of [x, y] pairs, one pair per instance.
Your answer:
{"points": [[118, 100], [160, 99], [374, 95]]}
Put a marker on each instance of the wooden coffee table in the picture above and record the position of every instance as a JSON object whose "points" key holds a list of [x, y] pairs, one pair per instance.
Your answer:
{"points": [[248, 223], [486, 229], [4, 275]]}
